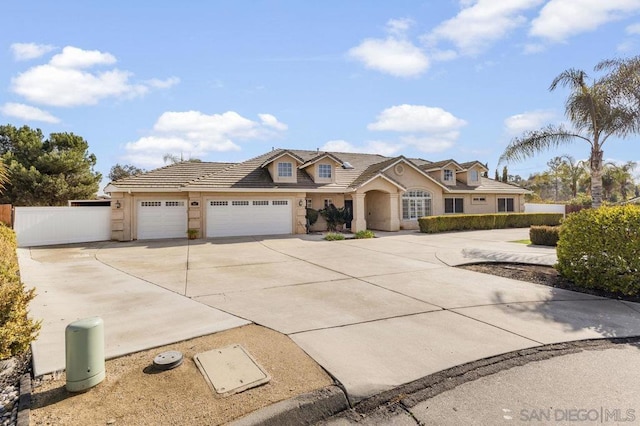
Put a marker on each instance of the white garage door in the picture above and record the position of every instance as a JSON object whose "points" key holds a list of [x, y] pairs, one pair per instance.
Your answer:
{"points": [[232, 218], [162, 219]]}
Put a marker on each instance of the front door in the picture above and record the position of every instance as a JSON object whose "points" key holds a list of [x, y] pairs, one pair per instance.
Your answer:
{"points": [[348, 206]]}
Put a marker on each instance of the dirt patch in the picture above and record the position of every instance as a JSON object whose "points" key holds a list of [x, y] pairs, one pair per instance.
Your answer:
{"points": [[131, 395], [540, 274]]}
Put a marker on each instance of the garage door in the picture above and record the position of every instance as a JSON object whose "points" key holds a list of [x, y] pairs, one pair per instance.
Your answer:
{"points": [[231, 218], [162, 219]]}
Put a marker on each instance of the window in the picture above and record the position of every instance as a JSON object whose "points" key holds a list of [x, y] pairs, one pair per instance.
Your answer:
{"points": [[279, 203], [285, 169], [239, 203], [416, 204], [453, 205], [327, 202], [448, 175], [478, 200], [174, 203], [260, 203], [309, 203], [218, 203], [324, 171], [474, 176], [505, 204], [151, 204]]}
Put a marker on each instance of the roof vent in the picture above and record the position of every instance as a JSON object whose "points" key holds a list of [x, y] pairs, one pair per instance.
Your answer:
{"points": [[347, 165]]}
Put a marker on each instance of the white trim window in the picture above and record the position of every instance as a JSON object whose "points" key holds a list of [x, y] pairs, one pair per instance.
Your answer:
{"points": [[505, 205], [285, 169], [474, 176], [416, 204], [327, 202], [454, 205], [324, 171], [448, 175]]}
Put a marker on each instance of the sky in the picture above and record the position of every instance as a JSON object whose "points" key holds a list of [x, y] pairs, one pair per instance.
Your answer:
{"points": [[230, 80]]}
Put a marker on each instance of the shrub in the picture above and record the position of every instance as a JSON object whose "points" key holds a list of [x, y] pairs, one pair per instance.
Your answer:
{"points": [[600, 248], [17, 331], [364, 234], [312, 216], [433, 224], [335, 217], [332, 236], [544, 235]]}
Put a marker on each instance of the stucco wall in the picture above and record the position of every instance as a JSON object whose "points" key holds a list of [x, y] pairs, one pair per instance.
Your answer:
{"points": [[378, 210], [124, 220]]}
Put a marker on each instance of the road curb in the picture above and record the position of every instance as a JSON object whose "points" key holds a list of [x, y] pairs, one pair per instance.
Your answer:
{"points": [[24, 402], [410, 394], [306, 409]]}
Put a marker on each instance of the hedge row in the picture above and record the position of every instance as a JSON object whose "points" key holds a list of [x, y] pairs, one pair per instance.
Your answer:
{"points": [[600, 248], [433, 224], [544, 235], [17, 331]]}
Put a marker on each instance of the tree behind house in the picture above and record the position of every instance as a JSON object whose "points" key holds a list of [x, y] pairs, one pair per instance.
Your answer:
{"points": [[597, 110], [121, 171], [46, 172]]}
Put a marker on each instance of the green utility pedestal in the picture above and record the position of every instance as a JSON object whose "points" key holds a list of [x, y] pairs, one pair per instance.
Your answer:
{"points": [[84, 345]]}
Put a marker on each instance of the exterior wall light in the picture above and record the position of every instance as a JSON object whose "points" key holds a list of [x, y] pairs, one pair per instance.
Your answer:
{"points": [[118, 205]]}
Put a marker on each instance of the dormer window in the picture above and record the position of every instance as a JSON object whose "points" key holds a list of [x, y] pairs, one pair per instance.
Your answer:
{"points": [[324, 171], [448, 175], [285, 169], [474, 175]]}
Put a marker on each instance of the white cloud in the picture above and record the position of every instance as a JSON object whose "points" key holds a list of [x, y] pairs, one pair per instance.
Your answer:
{"points": [[480, 23], [429, 129], [416, 118], [399, 27], [271, 121], [26, 51], [395, 54], [67, 81], [531, 120], [633, 29], [370, 147], [156, 83], [27, 113], [195, 134], [561, 19], [73, 57]]}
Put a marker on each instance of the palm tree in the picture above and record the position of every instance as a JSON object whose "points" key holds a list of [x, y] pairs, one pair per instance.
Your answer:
{"points": [[573, 171], [623, 178], [609, 106]]}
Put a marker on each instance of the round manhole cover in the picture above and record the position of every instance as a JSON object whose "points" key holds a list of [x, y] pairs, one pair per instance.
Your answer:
{"points": [[168, 360]]}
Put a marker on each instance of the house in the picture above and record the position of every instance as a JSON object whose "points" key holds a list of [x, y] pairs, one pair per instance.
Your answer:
{"points": [[269, 194]]}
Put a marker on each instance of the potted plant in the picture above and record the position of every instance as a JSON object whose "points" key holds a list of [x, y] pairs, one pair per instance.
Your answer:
{"points": [[192, 233]]}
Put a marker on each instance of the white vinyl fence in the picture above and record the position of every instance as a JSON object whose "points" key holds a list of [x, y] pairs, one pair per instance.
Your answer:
{"points": [[41, 226], [544, 208]]}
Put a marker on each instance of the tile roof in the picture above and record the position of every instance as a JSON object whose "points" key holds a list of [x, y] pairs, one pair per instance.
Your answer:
{"points": [[488, 185], [470, 164], [171, 176], [250, 174], [438, 164]]}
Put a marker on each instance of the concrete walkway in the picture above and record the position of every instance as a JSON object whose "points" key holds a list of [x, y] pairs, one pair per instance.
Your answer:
{"points": [[374, 313]]}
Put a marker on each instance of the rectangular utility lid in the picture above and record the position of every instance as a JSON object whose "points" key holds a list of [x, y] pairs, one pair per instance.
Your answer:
{"points": [[230, 370]]}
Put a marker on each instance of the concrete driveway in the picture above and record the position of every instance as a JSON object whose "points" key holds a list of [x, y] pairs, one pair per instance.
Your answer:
{"points": [[374, 313]]}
